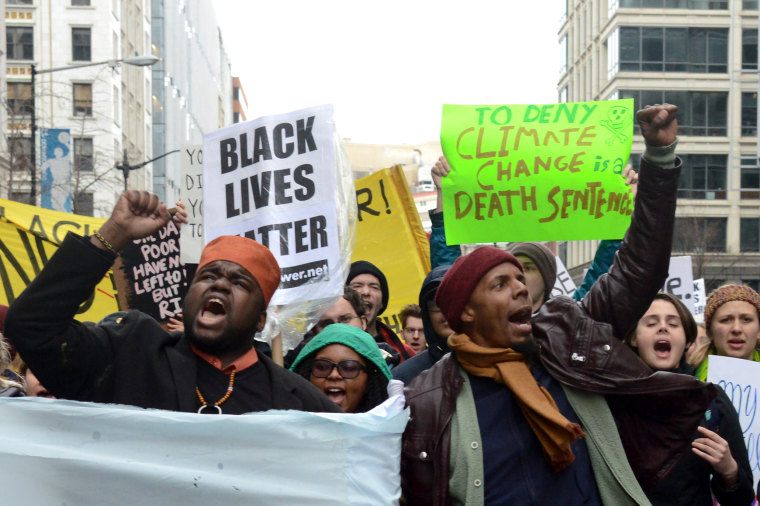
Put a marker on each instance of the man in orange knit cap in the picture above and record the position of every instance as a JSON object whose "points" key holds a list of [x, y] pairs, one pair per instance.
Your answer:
{"points": [[210, 368], [525, 409]]}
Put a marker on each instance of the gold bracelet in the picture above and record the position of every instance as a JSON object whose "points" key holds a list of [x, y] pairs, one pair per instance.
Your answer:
{"points": [[105, 243]]}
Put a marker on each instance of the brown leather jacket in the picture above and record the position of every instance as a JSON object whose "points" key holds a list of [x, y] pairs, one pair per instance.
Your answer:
{"points": [[581, 346]]}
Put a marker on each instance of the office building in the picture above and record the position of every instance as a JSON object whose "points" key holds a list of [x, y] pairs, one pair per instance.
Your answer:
{"points": [[702, 56]]}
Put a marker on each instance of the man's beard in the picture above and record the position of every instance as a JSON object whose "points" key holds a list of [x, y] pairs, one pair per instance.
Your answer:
{"points": [[230, 340], [528, 348]]}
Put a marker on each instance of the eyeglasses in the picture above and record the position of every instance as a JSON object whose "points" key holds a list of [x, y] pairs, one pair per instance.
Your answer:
{"points": [[348, 369], [346, 318], [412, 331]]}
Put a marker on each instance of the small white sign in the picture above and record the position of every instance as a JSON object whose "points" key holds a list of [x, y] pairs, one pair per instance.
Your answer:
{"points": [[191, 192], [680, 281], [740, 379], [564, 284], [700, 299]]}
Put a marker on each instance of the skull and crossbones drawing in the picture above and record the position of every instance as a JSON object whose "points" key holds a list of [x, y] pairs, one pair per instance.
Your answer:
{"points": [[616, 122]]}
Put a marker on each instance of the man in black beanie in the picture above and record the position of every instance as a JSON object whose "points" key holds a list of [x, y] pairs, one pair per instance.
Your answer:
{"points": [[540, 270], [370, 282]]}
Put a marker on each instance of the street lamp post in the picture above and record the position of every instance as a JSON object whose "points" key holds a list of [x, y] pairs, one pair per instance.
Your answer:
{"points": [[125, 167], [137, 61]]}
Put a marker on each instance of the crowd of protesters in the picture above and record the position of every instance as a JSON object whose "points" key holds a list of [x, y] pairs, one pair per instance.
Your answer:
{"points": [[516, 397]]}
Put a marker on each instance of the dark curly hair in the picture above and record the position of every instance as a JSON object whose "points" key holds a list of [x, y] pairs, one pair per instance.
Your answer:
{"points": [[377, 384]]}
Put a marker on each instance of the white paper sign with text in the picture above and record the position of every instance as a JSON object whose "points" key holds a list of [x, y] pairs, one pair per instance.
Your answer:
{"points": [[273, 180], [564, 284], [700, 298], [191, 193], [740, 379], [680, 281]]}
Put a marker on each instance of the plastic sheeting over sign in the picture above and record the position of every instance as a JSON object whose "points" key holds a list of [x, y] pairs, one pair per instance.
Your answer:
{"points": [[63, 452]]}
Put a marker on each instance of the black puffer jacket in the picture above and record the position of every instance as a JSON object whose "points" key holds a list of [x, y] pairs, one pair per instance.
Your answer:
{"points": [[437, 346]]}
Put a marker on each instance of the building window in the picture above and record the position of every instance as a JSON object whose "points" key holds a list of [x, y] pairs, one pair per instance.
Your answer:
{"points": [[25, 197], [700, 113], [83, 204], [19, 2], [613, 52], [82, 99], [749, 5], [699, 235], [749, 235], [81, 44], [703, 177], [750, 177], [749, 49], [19, 99], [19, 42], [749, 113], [676, 4], [83, 154], [20, 151], [80, 3], [669, 49]]}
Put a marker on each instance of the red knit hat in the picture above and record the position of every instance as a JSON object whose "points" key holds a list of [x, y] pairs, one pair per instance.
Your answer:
{"points": [[247, 253], [462, 277]]}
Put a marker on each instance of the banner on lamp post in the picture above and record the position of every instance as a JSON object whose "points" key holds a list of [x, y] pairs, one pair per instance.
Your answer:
{"points": [[55, 168]]}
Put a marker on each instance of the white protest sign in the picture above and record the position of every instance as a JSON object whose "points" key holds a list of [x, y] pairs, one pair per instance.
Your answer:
{"points": [[700, 298], [65, 452], [273, 180], [740, 379], [564, 285], [191, 192], [680, 281]]}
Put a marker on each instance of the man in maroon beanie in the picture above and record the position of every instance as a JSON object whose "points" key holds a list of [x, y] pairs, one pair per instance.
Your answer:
{"points": [[553, 408], [211, 367]]}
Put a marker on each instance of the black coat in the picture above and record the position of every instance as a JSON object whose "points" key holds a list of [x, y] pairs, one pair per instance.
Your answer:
{"points": [[134, 362], [692, 481]]}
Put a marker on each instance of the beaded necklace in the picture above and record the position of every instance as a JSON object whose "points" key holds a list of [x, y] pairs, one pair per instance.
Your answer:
{"points": [[217, 404]]}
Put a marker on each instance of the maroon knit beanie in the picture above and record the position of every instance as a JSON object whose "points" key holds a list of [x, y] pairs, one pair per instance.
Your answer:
{"points": [[3, 311], [460, 281]]}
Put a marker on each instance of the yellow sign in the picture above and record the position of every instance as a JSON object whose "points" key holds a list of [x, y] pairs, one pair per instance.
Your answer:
{"points": [[390, 235], [29, 236]]}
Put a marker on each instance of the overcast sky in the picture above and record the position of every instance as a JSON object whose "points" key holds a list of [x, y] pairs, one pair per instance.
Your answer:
{"points": [[389, 66]]}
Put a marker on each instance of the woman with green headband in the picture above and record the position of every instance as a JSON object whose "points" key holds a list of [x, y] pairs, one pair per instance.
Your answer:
{"points": [[733, 325], [345, 363]]}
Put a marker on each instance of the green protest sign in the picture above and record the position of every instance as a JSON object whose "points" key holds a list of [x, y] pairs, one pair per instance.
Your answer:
{"points": [[537, 172]]}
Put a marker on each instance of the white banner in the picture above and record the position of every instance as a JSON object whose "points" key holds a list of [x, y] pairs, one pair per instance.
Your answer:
{"points": [[740, 379], [191, 193], [64, 452], [680, 281], [273, 180]]}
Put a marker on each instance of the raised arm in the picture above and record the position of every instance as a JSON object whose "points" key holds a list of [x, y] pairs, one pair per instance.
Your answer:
{"points": [[640, 267], [605, 252], [67, 356], [440, 252]]}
